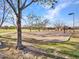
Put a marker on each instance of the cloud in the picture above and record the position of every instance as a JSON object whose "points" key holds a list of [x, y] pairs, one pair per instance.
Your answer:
{"points": [[55, 12]]}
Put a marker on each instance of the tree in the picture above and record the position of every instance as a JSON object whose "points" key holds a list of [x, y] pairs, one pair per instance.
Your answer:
{"points": [[31, 20], [45, 23], [18, 8], [41, 23], [37, 22], [59, 25], [5, 12]]}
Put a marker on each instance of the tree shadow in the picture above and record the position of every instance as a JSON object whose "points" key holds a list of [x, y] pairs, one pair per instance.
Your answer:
{"points": [[14, 39], [39, 52], [74, 44], [2, 45], [45, 34], [44, 41], [71, 53]]}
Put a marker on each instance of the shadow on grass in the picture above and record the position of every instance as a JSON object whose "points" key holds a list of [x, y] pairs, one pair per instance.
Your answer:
{"points": [[35, 41], [52, 42], [5, 37], [2, 45], [68, 50], [39, 52], [74, 44], [71, 53], [36, 52]]}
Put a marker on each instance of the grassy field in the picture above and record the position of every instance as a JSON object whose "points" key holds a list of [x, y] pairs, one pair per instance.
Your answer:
{"points": [[69, 49], [7, 30], [14, 30]]}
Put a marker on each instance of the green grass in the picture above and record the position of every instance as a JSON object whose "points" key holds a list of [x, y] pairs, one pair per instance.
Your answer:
{"points": [[7, 30], [72, 53], [70, 48], [14, 30]]}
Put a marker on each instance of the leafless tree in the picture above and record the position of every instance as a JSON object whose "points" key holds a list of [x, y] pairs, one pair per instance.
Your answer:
{"points": [[18, 8], [37, 22], [5, 12], [45, 23], [41, 23], [59, 25], [31, 20]]}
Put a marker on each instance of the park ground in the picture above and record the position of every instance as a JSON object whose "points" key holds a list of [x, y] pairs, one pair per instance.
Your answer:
{"points": [[47, 44]]}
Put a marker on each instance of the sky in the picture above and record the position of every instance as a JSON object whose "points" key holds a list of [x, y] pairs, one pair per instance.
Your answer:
{"points": [[60, 12]]}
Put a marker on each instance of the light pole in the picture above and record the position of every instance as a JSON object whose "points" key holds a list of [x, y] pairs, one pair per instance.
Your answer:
{"points": [[73, 15]]}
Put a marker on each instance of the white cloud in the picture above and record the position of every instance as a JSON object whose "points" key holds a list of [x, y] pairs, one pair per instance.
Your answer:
{"points": [[55, 12]]}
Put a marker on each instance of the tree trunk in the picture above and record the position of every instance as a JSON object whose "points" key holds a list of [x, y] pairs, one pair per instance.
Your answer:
{"points": [[19, 32], [19, 36]]}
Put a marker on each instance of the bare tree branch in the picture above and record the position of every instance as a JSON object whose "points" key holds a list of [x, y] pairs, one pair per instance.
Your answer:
{"points": [[5, 13], [27, 5], [24, 4], [12, 6]]}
